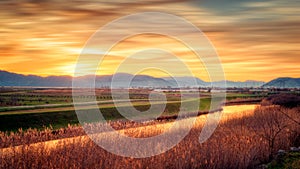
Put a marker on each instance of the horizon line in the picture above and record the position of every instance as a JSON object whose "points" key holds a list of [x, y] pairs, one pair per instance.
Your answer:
{"points": [[72, 76]]}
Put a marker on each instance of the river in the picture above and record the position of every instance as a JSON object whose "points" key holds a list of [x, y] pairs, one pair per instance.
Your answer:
{"points": [[229, 112]]}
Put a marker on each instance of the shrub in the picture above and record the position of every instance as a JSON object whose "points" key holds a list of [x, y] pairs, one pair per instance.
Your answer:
{"points": [[285, 100]]}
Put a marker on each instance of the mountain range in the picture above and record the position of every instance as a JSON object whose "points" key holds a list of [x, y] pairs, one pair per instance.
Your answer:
{"points": [[119, 79], [284, 82]]}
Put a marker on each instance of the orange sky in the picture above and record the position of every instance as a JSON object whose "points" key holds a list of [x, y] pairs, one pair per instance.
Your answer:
{"points": [[256, 40]]}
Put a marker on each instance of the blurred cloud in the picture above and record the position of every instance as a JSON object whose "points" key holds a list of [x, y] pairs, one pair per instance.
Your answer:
{"points": [[256, 39]]}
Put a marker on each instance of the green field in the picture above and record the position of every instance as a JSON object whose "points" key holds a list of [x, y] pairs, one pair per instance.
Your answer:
{"points": [[59, 117], [290, 160], [27, 108]]}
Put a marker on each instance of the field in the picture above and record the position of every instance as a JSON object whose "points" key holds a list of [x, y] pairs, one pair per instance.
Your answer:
{"points": [[40, 108], [240, 141], [39, 129]]}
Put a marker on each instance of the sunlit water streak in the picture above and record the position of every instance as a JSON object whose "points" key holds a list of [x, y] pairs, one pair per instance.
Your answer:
{"points": [[229, 113]]}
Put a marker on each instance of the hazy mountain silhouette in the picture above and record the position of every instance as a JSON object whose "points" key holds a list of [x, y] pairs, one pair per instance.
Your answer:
{"points": [[119, 80], [185, 81], [248, 83], [13, 79], [284, 82]]}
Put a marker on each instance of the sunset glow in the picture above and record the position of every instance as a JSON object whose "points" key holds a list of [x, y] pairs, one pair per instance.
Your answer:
{"points": [[256, 40]]}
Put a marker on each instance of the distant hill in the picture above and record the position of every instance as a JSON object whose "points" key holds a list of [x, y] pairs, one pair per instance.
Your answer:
{"points": [[120, 80], [185, 81], [284, 82], [248, 83], [13, 79]]}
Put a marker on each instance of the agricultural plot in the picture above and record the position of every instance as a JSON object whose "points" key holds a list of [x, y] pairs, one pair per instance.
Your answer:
{"points": [[239, 135], [40, 108]]}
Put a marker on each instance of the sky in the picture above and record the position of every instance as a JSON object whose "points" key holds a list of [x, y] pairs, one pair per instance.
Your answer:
{"points": [[255, 40]]}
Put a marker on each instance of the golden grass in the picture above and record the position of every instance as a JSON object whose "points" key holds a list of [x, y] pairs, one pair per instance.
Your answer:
{"points": [[234, 144]]}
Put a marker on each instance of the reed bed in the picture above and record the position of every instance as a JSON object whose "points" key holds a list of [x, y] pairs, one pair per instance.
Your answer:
{"points": [[240, 141]]}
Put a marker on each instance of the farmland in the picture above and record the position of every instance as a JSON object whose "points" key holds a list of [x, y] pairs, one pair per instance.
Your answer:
{"points": [[239, 135], [43, 107], [39, 128]]}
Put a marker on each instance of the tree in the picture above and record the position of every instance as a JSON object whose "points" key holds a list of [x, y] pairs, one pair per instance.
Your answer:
{"points": [[269, 123]]}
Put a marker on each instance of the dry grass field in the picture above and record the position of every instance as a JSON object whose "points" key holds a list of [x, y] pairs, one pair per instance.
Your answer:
{"points": [[240, 141]]}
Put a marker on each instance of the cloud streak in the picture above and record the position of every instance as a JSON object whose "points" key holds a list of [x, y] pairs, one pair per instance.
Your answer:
{"points": [[255, 39]]}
